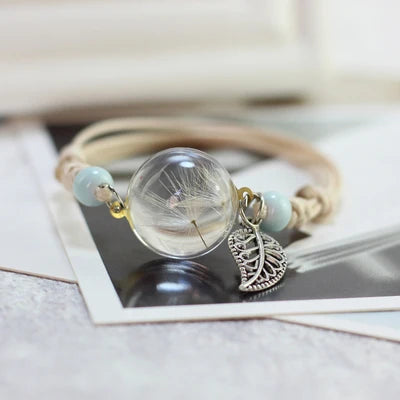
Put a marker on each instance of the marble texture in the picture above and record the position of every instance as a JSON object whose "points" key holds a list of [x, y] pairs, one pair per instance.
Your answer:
{"points": [[50, 349]]}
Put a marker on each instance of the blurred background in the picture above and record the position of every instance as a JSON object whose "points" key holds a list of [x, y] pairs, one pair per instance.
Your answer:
{"points": [[77, 60]]}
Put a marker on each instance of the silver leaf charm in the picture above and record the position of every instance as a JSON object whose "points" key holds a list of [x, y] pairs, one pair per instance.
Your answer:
{"points": [[260, 258]]}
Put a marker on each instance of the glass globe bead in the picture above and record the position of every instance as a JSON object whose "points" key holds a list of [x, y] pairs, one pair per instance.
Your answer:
{"points": [[182, 203]]}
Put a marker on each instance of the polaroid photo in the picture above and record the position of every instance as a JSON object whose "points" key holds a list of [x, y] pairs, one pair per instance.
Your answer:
{"points": [[123, 282]]}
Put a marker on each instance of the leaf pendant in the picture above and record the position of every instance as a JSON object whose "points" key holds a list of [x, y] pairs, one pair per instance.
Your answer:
{"points": [[260, 258]]}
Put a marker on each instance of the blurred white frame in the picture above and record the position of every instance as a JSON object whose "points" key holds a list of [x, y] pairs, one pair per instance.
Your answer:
{"points": [[76, 53], [70, 53]]}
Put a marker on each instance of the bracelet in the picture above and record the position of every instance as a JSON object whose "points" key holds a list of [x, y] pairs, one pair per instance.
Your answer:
{"points": [[181, 203]]}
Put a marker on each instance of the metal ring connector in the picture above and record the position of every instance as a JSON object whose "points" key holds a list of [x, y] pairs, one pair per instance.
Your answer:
{"points": [[245, 202], [117, 207]]}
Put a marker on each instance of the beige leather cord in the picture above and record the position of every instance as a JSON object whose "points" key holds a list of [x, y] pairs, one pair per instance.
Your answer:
{"points": [[114, 139]]}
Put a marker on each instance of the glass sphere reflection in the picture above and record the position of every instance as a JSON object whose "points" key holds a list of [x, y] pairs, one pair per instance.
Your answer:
{"points": [[182, 203]]}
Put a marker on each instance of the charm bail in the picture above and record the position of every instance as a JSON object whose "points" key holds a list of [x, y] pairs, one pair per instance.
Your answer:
{"points": [[261, 259]]}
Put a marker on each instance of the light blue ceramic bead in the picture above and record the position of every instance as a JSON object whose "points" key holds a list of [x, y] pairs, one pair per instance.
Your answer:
{"points": [[86, 182], [279, 212]]}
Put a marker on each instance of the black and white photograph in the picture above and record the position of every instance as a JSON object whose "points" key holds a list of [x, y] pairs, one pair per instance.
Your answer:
{"points": [[363, 267]]}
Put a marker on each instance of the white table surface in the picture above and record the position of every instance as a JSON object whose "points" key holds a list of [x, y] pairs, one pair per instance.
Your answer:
{"points": [[51, 350]]}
